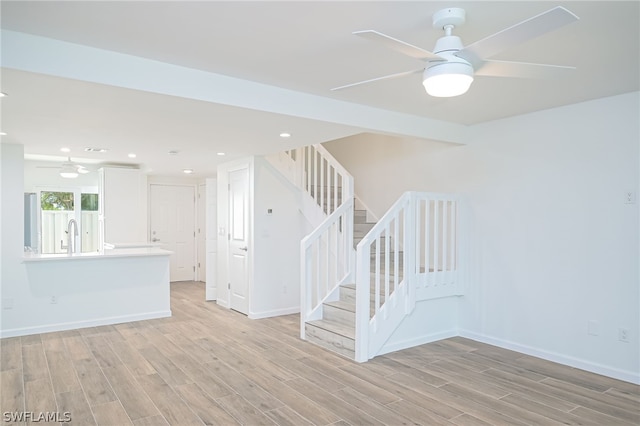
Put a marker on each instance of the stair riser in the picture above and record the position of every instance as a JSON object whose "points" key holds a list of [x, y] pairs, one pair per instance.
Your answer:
{"points": [[334, 342], [347, 294], [338, 315]]}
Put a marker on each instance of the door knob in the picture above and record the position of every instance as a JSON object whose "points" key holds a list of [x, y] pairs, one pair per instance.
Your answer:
{"points": [[244, 248], [155, 239]]}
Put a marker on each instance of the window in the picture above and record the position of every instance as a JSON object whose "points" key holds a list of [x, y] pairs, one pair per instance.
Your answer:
{"points": [[58, 207], [89, 222]]}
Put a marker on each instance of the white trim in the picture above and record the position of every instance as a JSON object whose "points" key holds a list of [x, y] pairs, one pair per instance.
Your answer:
{"points": [[83, 324], [416, 341], [627, 376], [274, 313]]}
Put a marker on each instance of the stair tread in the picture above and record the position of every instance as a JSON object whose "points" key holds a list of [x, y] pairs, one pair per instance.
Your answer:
{"points": [[334, 327]]}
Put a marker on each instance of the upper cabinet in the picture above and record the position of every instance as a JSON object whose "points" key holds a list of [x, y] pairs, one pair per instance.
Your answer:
{"points": [[123, 205]]}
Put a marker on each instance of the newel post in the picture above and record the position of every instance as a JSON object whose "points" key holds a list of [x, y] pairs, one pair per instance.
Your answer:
{"points": [[410, 274], [363, 300]]}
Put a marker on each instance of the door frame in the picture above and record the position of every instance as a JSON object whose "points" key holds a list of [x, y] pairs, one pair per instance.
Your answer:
{"points": [[201, 231], [224, 246]]}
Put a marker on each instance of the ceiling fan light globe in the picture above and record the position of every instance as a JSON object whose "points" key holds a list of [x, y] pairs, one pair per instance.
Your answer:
{"points": [[69, 172], [448, 80], [69, 175]]}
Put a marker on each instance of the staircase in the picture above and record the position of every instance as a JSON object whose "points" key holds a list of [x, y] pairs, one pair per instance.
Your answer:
{"points": [[352, 301], [336, 330]]}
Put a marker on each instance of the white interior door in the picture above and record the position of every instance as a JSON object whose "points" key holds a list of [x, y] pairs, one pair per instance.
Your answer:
{"points": [[201, 233], [172, 225], [239, 232]]}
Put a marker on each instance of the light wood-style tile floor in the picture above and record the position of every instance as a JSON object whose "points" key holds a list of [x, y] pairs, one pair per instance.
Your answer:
{"points": [[209, 365]]}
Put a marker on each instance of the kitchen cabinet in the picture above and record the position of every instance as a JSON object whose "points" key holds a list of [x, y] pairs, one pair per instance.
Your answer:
{"points": [[122, 206]]}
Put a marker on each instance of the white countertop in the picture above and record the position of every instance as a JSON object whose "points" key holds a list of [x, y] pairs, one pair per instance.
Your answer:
{"points": [[130, 245], [105, 254]]}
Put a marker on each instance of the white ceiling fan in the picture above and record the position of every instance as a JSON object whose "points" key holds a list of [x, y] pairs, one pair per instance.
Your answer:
{"points": [[68, 169], [452, 66]]}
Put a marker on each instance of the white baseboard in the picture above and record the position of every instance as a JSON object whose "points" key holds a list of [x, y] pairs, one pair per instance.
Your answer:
{"points": [[49, 328], [274, 313], [627, 376], [420, 340]]}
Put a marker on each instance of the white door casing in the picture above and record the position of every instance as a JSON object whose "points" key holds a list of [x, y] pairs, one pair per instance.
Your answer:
{"points": [[201, 233], [211, 232], [172, 225], [239, 237]]}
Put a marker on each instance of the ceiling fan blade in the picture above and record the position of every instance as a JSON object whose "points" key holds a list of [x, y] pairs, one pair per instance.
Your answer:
{"points": [[386, 77], [526, 30], [522, 70], [399, 45]]}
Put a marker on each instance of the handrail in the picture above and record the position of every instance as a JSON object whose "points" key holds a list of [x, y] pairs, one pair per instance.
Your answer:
{"points": [[327, 223], [414, 246], [326, 260], [385, 219]]}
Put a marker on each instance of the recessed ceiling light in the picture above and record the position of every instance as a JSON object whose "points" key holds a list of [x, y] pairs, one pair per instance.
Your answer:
{"points": [[90, 149], [221, 154], [65, 149], [3, 134], [131, 155], [2, 94], [285, 135], [172, 152], [188, 171]]}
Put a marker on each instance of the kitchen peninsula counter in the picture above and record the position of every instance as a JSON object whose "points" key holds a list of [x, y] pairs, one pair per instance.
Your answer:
{"points": [[70, 291]]}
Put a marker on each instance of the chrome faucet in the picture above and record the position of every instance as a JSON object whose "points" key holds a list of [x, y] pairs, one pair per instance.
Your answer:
{"points": [[71, 238]]}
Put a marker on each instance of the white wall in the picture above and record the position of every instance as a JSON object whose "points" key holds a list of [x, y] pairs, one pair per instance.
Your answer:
{"points": [[431, 320], [554, 245], [13, 288], [276, 238]]}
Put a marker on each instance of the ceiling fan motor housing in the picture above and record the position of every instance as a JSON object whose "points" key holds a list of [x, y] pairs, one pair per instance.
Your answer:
{"points": [[447, 47]]}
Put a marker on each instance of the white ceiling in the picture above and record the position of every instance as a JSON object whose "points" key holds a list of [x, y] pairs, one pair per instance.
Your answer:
{"points": [[300, 46]]}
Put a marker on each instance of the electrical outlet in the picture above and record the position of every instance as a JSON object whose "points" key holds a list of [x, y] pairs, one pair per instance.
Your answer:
{"points": [[593, 328], [7, 303], [54, 300], [623, 335]]}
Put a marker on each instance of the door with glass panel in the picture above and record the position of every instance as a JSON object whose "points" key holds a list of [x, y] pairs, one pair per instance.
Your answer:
{"points": [[58, 207]]}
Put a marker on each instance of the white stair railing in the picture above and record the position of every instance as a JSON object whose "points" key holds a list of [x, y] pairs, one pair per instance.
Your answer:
{"points": [[327, 261], [412, 253], [323, 177], [326, 255]]}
